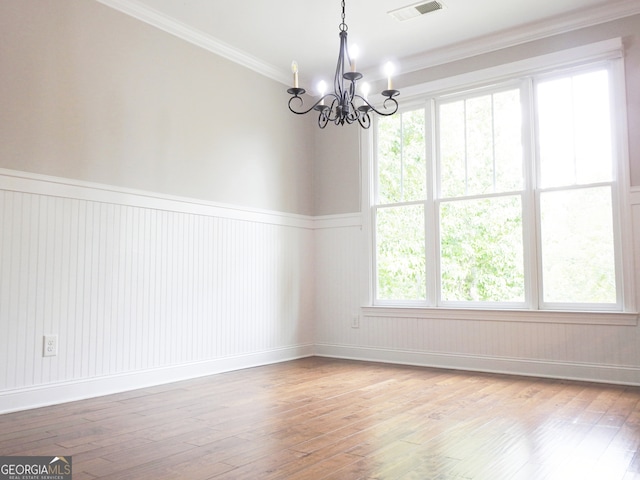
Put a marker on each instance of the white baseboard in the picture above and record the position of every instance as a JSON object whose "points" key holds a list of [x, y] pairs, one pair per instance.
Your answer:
{"points": [[52, 394], [45, 395], [535, 368]]}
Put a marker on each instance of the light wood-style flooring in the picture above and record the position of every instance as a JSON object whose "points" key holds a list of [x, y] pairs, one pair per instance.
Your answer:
{"points": [[332, 419]]}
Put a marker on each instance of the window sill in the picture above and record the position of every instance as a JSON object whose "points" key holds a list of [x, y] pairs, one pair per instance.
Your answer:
{"points": [[526, 316]]}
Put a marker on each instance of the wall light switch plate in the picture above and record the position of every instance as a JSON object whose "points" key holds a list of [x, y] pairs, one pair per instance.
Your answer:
{"points": [[50, 346]]}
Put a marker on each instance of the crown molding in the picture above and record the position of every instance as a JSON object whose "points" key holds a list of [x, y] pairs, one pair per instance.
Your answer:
{"points": [[523, 34], [504, 39], [196, 37]]}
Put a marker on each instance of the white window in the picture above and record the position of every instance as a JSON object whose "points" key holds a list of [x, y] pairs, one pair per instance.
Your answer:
{"points": [[502, 197], [480, 197]]}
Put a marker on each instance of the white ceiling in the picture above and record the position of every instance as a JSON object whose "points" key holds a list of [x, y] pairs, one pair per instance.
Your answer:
{"points": [[267, 35]]}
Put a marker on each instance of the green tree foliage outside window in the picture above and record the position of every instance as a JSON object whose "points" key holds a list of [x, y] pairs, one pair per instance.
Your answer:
{"points": [[401, 253], [402, 179], [481, 250]]}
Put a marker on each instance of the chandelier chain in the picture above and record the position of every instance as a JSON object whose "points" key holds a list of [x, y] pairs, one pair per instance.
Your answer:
{"points": [[343, 26]]}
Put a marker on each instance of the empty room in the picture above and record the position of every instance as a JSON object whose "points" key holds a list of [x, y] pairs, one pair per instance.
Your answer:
{"points": [[358, 239]]}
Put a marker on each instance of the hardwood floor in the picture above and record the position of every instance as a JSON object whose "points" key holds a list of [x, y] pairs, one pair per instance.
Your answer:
{"points": [[331, 419]]}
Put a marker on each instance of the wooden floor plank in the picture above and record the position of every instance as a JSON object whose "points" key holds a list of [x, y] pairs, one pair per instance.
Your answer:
{"points": [[342, 420]]}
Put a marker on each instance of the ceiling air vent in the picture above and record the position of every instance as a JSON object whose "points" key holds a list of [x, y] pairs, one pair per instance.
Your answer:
{"points": [[412, 11]]}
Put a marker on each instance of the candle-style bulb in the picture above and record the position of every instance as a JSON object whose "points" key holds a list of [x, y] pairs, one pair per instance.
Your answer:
{"points": [[354, 53], [322, 88], [389, 69], [294, 70], [365, 88]]}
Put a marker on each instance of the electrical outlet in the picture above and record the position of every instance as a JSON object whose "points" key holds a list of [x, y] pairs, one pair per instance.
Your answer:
{"points": [[50, 346], [355, 321]]}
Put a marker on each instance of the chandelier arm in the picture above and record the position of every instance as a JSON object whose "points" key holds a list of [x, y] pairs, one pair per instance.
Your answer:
{"points": [[328, 113], [332, 111], [354, 113], [316, 106], [323, 118], [367, 107], [364, 120], [394, 107]]}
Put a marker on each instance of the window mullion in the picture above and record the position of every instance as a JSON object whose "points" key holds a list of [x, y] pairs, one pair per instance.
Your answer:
{"points": [[466, 150], [530, 210], [401, 159], [431, 217], [493, 142], [574, 134]]}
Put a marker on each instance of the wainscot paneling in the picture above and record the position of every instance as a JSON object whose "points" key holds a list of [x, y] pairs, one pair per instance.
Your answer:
{"points": [[599, 348], [142, 289]]}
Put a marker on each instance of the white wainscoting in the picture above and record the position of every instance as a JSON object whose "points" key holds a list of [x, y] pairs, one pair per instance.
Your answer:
{"points": [[142, 288], [145, 289], [524, 344]]}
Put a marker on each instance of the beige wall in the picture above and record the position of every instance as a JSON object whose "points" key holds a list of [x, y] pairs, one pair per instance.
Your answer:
{"points": [[336, 169], [89, 93]]}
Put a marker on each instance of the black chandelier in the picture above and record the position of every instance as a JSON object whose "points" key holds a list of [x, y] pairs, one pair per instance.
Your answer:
{"points": [[344, 104]]}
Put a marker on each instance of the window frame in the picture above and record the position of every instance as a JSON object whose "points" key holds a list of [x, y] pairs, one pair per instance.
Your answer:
{"points": [[439, 200], [498, 78], [613, 185]]}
